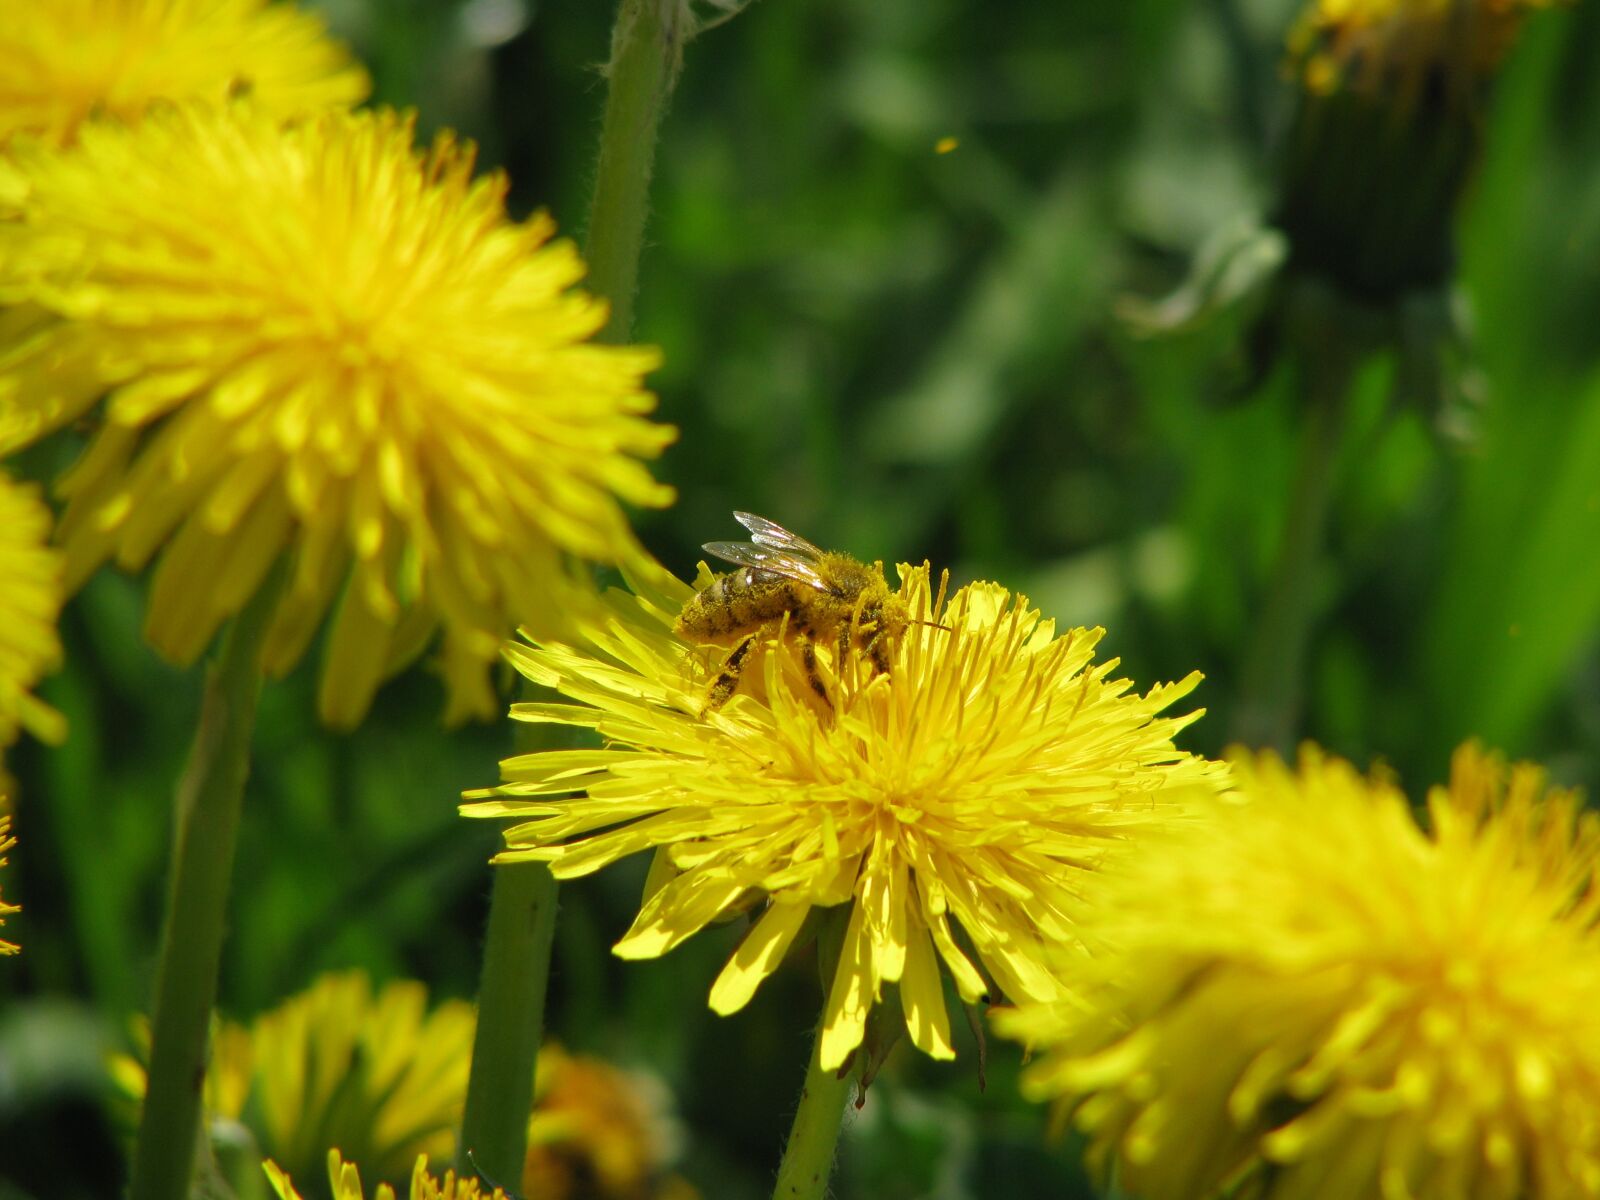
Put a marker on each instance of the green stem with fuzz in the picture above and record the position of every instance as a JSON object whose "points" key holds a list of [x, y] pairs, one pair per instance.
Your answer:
{"points": [[814, 1137], [209, 802], [1274, 666], [646, 52], [505, 1047], [808, 1155]]}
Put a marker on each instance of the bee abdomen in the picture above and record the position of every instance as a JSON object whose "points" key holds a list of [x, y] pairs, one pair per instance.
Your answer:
{"points": [[736, 603]]}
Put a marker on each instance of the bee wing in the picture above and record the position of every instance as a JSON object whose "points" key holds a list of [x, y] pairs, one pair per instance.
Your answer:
{"points": [[770, 534], [763, 558]]}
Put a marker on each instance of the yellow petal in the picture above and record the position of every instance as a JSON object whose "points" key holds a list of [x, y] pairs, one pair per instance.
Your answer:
{"points": [[757, 957], [922, 998], [852, 996]]}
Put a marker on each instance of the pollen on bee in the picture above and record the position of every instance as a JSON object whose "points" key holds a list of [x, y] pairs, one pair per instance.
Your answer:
{"points": [[836, 607]]}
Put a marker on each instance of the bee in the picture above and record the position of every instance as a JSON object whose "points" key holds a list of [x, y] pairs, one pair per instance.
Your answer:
{"points": [[826, 596]]}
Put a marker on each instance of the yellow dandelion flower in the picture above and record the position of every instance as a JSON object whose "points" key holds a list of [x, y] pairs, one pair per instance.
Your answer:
{"points": [[324, 341], [956, 797], [597, 1132], [65, 61], [383, 1076], [378, 1074], [1309, 991], [1396, 45], [30, 597], [345, 1182], [6, 842]]}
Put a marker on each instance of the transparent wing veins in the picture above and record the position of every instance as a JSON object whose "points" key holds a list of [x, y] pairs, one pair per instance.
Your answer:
{"points": [[770, 534], [764, 558]]}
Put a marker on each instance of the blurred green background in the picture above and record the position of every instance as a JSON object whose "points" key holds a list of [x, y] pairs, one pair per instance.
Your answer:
{"points": [[905, 354]]}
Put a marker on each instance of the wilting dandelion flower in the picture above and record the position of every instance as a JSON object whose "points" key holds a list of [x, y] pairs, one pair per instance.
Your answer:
{"points": [[324, 341], [65, 61], [1387, 129], [1309, 991], [6, 842], [951, 803], [345, 1183], [598, 1133], [30, 597]]}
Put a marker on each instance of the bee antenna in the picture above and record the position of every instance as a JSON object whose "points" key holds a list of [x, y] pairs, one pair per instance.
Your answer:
{"points": [[931, 625]]}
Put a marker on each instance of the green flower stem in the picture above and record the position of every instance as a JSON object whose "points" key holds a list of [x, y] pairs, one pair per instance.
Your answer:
{"points": [[809, 1153], [646, 52], [1274, 667], [808, 1156], [505, 1048], [209, 800]]}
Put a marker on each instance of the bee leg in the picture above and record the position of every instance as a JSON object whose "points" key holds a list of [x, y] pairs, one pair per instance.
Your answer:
{"points": [[877, 649], [808, 655], [727, 680]]}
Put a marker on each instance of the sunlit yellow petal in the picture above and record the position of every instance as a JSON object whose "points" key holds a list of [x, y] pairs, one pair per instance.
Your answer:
{"points": [[281, 1183], [757, 957], [922, 997]]}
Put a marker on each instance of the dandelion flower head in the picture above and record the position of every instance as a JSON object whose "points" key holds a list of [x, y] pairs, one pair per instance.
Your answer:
{"points": [[951, 803], [30, 597], [377, 1073], [598, 1131], [1394, 46], [345, 1183], [65, 61], [1308, 991], [382, 1075], [320, 339]]}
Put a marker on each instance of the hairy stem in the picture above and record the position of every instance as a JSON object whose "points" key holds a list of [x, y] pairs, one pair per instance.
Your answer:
{"points": [[809, 1153], [646, 52]]}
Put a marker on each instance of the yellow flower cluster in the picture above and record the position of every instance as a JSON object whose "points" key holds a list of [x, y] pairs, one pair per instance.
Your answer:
{"points": [[952, 804], [1306, 990], [321, 367], [1394, 46], [322, 341], [63, 62], [30, 596]]}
